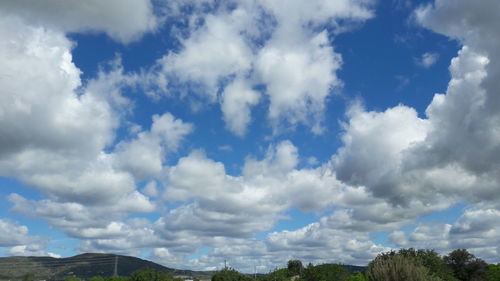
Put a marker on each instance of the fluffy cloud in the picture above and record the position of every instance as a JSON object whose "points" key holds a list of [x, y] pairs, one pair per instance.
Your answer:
{"points": [[13, 234], [144, 156], [326, 241], [213, 52], [393, 167], [237, 100], [18, 238], [239, 206], [476, 229], [299, 77], [427, 60], [257, 43], [47, 126], [94, 16]]}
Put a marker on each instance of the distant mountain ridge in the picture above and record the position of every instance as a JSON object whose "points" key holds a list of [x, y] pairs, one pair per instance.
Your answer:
{"points": [[83, 266], [88, 265]]}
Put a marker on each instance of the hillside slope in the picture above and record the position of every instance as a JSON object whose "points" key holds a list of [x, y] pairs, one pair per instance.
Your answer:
{"points": [[82, 266]]}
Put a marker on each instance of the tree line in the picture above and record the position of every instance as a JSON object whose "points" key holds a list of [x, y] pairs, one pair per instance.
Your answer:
{"points": [[403, 265]]}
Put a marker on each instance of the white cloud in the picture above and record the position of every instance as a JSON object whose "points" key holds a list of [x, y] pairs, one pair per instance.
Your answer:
{"points": [[299, 78], [212, 53], [90, 15], [427, 59], [237, 99], [13, 234], [374, 148], [258, 43], [144, 156], [476, 230], [326, 241]]}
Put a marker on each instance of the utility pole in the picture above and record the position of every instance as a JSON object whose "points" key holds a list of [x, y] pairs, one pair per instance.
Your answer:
{"points": [[225, 264], [115, 272]]}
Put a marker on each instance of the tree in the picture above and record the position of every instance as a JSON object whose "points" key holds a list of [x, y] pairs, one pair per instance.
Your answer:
{"points": [[277, 275], [150, 275], [28, 277], [493, 272], [397, 267], [330, 272], [229, 274], [465, 266], [295, 267], [431, 260], [358, 276]]}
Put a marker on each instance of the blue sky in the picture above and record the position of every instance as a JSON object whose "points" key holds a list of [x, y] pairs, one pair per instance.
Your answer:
{"points": [[253, 131]]}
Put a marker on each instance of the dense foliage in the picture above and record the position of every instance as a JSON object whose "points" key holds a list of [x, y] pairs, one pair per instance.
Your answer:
{"points": [[493, 272], [398, 267], [466, 266], [331, 272], [229, 274], [429, 259], [405, 264], [295, 267]]}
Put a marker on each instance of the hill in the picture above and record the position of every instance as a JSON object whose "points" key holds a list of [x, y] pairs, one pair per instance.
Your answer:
{"points": [[83, 266]]}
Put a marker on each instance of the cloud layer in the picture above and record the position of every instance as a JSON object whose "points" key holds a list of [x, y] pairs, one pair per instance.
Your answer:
{"points": [[124, 187]]}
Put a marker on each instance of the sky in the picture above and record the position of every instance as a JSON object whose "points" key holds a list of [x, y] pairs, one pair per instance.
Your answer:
{"points": [[189, 132]]}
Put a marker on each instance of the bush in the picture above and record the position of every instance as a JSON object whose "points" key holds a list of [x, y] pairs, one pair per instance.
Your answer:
{"points": [[295, 267], [229, 274], [329, 272], [150, 275], [358, 277], [466, 266], [398, 267], [493, 272]]}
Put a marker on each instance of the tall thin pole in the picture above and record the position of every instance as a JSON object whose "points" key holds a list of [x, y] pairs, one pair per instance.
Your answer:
{"points": [[115, 272]]}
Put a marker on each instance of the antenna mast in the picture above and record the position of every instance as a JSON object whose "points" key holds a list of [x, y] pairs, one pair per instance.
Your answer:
{"points": [[115, 272]]}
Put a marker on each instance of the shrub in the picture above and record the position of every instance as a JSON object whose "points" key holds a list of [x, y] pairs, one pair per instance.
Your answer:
{"points": [[397, 268]]}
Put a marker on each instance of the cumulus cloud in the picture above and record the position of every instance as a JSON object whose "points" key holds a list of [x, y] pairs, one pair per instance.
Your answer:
{"points": [[476, 229], [57, 135], [393, 166], [144, 156], [240, 206], [93, 16], [13, 234], [257, 43], [20, 242], [427, 59], [47, 125], [326, 241], [237, 100]]}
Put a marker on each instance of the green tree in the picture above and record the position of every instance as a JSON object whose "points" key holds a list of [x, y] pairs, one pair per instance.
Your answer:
{"points": [[398, 267], [358, 276], [28, 277], [295, 267], [465, 266], [149, 275], [493, 272], [325, 272], [429, 259], [277, 275], [117, 278], [97, 278], [229, 274]]}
